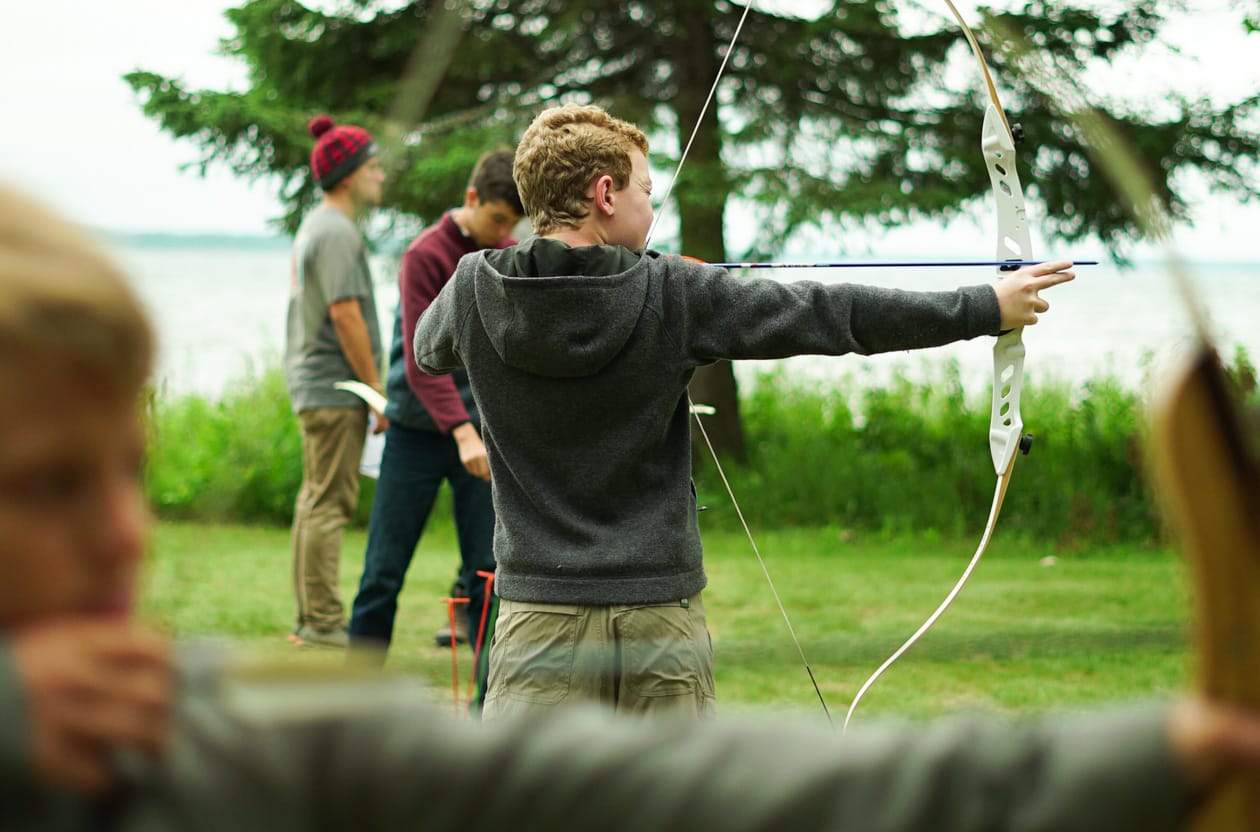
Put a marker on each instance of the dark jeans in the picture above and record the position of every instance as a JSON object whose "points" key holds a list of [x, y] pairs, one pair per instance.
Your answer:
{"points": [[412, 469]]}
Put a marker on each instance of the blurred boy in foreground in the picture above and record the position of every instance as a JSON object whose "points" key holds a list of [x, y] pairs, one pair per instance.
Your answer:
{"points": [[101, 726]]}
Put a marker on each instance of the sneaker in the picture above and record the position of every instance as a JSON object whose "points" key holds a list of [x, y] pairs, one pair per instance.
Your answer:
{"points": [[308, 636]]}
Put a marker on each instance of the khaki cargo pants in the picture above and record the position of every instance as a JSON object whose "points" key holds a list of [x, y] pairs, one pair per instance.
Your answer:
{"points": [[634, 658], [332, 444]]}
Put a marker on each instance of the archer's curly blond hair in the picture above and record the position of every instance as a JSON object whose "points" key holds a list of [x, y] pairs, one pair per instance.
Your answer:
{"points": [[64, 302], [561, 152]]}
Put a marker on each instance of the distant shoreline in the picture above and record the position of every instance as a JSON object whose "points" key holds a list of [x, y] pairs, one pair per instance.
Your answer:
{"points": [[167, 240], [175, 241], [279, 242]]}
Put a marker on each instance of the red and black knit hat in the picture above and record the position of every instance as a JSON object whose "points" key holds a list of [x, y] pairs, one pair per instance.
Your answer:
{"points": [[339, 150]]}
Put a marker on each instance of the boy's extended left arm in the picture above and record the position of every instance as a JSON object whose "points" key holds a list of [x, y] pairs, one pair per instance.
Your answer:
{"points": [[747, 318]]}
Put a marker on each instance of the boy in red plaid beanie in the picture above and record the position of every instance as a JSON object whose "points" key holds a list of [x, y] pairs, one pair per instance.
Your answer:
{"points": [[332, 335]]}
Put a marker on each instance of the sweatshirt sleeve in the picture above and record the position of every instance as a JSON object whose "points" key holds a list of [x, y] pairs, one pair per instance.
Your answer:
{"points": [[368, 755], [574, 770], [15, 762], [729, 317], [420, 282], [436, 342]]}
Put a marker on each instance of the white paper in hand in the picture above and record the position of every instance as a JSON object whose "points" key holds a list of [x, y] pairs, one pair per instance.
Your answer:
{"points": [[373, 449]]}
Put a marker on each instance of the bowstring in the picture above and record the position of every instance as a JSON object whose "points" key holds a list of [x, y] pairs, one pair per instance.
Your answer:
{"points": [[708, 101], [761, 561], [704, 110]]}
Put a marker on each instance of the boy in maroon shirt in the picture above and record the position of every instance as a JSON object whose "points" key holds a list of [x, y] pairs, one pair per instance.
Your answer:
{"points": [[434, 429]]}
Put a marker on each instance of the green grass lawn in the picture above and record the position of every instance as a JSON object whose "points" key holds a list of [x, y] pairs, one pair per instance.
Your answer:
{"points": [[1094, 626]]}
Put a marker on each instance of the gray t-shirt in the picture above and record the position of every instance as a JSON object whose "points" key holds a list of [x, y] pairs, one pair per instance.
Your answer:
{"points": [[329, 264]]}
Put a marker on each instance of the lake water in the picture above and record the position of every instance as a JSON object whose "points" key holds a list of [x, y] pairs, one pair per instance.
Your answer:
{"points": [[220, 315]]}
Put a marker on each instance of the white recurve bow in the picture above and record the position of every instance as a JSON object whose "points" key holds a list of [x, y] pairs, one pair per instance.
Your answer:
{"points": [[997, 142]]}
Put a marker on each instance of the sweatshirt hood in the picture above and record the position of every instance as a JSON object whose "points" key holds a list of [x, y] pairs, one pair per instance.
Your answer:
{"points": [[560, 312]]}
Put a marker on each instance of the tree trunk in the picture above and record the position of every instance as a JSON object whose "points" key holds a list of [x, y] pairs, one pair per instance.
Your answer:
{"points": [[701, 194]]}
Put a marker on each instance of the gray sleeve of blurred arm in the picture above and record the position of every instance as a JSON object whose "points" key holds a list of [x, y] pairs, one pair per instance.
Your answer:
{"points": [[1111, 771]]}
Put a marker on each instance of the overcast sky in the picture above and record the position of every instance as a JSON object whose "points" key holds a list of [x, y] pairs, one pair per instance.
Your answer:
{"points": [[74, 135], [73, 131]]}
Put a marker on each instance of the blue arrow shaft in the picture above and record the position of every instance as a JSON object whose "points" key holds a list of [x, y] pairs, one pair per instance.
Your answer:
{"points": [[896, 264]]}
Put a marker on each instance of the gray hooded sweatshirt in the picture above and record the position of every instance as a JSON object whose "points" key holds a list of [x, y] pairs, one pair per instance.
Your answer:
{"points": [[580, 359]]}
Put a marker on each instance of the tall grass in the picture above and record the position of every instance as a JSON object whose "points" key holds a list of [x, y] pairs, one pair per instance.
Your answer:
{"points": [[1028, 633], [236, 459], [909, 457], [914, 457]]}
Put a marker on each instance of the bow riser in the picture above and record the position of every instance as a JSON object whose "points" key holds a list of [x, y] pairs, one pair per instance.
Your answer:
{"points": [[1014, 243], [1006, 427], [998, 146]]}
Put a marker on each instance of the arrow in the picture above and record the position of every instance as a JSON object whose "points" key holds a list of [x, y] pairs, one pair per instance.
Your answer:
{"points": [[1005, 265]]}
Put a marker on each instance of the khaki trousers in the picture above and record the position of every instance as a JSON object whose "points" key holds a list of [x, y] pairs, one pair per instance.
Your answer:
{"points": [[635, 658], [332, 444]]}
